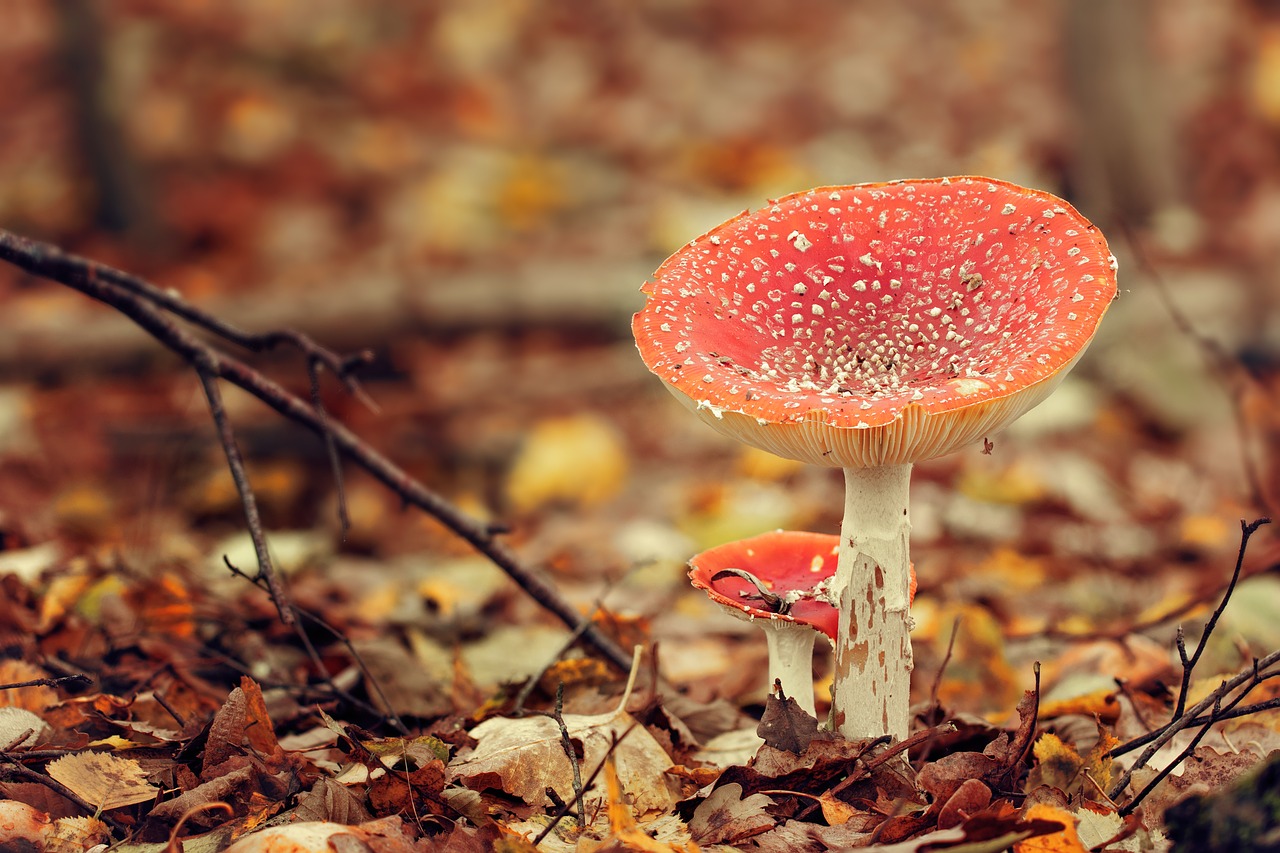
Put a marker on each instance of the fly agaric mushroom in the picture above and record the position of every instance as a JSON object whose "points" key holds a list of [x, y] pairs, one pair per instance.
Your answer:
{"points": [[779, 580], [869, 327]]}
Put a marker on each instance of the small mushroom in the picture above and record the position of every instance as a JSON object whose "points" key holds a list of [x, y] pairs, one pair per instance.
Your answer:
{"points": [[779, 580], [870, 327]]}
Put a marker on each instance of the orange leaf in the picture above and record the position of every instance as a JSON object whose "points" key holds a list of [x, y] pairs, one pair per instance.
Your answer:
{"points": [[1066, 841]]}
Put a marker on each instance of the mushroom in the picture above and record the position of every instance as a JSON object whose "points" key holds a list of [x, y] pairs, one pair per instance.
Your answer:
{"points": [[869, 327], [777, 580]]}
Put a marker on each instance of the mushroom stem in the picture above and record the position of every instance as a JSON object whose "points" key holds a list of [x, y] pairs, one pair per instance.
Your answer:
{"points": [[791, 660], [871, 694]]}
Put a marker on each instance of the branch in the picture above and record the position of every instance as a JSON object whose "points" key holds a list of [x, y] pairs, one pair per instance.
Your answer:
{"points": [[1249, 678], [149, 308], [1182, 717], [1189, 663]]}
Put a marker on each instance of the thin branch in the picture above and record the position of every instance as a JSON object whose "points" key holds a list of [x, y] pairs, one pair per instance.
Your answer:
{"points": [[1232, 714], [531, 684], [48, 682], [567, 743], [1252, 676], [314, 366], [946, 660], [313, 654], [125, 294], [1214, 717], [248, 501], [1189, 663], [586, 785], [1168, 768]]}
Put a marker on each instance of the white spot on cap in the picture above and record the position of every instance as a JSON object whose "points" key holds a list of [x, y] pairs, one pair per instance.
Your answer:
{"points": [[1008, 209], [969, 387], [798, 240]]}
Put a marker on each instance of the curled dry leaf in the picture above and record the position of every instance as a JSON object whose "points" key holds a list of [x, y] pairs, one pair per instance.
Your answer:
{"points": [[385, 835], [525, 757], [103, 780], [728, 817], [20, 729]]}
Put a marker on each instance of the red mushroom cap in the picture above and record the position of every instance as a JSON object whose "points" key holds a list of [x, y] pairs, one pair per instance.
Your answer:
{"points": [[784, 561], [878, 324]]}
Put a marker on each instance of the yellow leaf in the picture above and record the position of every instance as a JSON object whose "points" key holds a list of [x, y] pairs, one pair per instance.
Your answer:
{"points": [[1066, 841], [103, 780], [1060, 764], [579, 460], [1097, 763], [1100, 703], [623, 823]]}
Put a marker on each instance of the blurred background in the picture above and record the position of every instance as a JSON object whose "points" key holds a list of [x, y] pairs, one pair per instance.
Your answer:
{"points": [[361, 167], [477, 189]]}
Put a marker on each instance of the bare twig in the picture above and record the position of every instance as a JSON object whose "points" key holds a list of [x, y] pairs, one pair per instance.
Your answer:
{"points": [[248, 501], [1189, 663], [946, 659], [314, 366], [1181, 757], [313, 654], [47, 682], [1226, 714], [1248, 679], [586, 786], [531, 684], [149, 307], [567, 743]]}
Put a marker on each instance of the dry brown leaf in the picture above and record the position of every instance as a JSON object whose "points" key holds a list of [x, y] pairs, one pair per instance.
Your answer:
{"points": [[526, 757], [727, 817], [103, 780]]}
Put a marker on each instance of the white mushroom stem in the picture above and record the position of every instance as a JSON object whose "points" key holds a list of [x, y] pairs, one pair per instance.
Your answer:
{"points": [[871, 693], [791, 659]]}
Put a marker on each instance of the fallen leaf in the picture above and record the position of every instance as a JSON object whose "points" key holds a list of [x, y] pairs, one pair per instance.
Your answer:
{"points": [[1063, 841], [970, 798], [1059, 763], [579, 460], [20, 729], [726, 817], [525, 757], [103, 780], [785, 725], [622, 822]]}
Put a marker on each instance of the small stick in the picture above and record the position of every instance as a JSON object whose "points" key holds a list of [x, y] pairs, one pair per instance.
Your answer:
{"points": [[314, 366], [1253, 676], [248, 501], [567, 743], [1189, 664], [47, 682]]}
